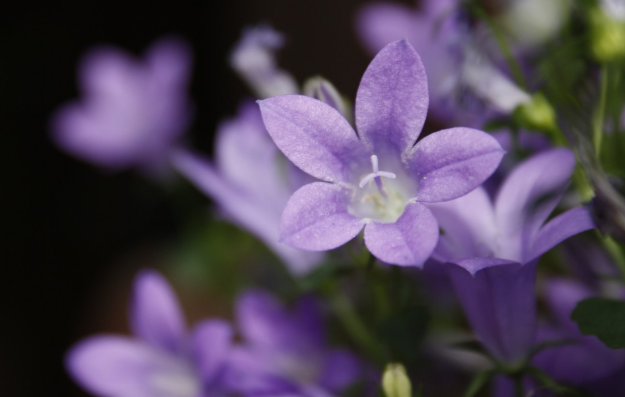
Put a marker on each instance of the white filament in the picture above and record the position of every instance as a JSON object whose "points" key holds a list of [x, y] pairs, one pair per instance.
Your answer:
{"points": [[376, 173]]}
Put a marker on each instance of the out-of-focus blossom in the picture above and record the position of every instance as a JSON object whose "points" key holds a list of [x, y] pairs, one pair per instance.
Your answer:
{"points": [[491, 249], [530, 23], [162, 360], [132, 111], [254, 59], [286, 351], [585, 359], [378, 178], [250, 181], [465, 85]]}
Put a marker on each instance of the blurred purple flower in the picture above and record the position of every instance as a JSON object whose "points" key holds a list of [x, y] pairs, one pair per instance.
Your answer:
{"points": [[378, 177], [465, 85], [586, 359], [253, 58], [162, 360], [491, 249], [285, 351], [132, 111], [250, 181]]}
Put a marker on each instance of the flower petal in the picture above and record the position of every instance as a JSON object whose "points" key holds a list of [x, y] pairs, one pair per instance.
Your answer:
{"points": [[559, 229], [212, 340], [392, 99], [121, 367], [528, 196], [498, 297], [156, 317], [407, 242], [316, 218], [340, 369], [450, 163], [245, 209], [467, 227], [314, 136]]}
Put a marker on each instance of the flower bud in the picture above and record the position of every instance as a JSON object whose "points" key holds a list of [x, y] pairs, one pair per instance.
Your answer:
{"points": [[319, 88], [395, 382], [536, 114], [607, 36]]}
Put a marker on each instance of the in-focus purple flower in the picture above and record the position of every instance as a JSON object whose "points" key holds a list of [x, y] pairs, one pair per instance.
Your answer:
{"points": [[132, 110], [491, 249], [162, 360], [254, 59], [250, 181], [286, 350], [376, 178], [465, 85]]}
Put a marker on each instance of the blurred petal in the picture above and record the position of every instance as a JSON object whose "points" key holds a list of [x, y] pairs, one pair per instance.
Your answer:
{"points": [[392, 99], [528, 196], [314, 136], [316, 218], [244, 209], [450, 163], [559, 229], [407, 242], [498, 297], [156, 317], [379, 24], [340, 369], [170, 60], [467, 226], [211, 343], [120, 367]]}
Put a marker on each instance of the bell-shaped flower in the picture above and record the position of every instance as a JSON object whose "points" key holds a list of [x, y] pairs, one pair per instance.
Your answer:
{"points": [[162, 360], [490, 250], [286, 350], [250, 181], [132, 111], [377, 178]]}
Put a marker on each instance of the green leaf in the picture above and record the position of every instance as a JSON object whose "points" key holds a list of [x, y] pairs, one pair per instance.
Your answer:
{"points": [[604, 318], [480, 381]]}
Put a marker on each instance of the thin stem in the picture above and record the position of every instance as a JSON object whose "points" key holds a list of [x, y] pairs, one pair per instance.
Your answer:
{"points": [[598, 122], [355, 327]]}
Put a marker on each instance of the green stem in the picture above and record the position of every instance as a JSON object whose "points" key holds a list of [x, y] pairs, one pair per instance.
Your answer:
{"points": [[616, 252], [597, 136], [513, 64], [355, 327]]}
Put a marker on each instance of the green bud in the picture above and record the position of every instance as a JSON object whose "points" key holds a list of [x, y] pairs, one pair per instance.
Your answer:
{"points": [[536, 114], [607, 37], [395, 382]]}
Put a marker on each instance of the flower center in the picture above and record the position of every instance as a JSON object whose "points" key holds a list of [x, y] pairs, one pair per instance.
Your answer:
{"points": [[385, 199]]}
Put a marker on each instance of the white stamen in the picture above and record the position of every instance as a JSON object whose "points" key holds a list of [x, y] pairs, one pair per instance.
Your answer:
{"points": [[376, 173]]}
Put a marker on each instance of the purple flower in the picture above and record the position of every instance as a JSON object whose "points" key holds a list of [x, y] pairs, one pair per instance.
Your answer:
{"points": [[250, 181], [162, 360], [285, 351], [465, 84], [491, 249], [132, 112], [378, 178]]}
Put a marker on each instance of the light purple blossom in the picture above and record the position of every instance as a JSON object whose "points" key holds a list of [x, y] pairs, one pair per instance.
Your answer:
{"points": [[162, 359], [490, 250], [465, 84], [376, 178], [132, 111], [285, 351], [250, 181]]}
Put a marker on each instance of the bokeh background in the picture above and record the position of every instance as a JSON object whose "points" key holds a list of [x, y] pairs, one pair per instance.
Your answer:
{"points": [[74, 235]]}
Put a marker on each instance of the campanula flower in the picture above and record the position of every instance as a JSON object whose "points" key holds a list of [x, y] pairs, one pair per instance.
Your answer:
{"points": [[378, 178], [162, 359], [286, 350], [132, 111], [491, 249], [250, 181]]}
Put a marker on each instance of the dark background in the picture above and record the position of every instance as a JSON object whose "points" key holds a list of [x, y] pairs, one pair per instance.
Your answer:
{"points": [[69, 226]]}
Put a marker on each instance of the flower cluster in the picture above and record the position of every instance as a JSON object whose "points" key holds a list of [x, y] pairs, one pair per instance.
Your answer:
{"points": [[355, 203]]}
